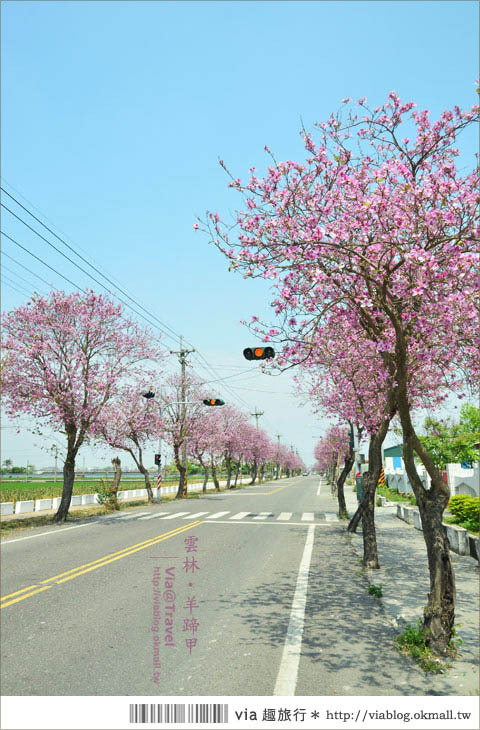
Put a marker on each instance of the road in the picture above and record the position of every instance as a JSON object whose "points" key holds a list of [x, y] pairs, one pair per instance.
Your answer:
{"points": [[278, 598]]}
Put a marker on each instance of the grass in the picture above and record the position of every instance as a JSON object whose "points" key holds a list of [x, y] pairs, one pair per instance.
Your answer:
{"points": [[471, 527], [17, 490], [393, 496], [412, 642], [375, 590]]}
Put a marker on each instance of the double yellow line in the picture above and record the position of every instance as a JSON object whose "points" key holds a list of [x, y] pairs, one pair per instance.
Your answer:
{"points": [[15, 597], [280, 488]]}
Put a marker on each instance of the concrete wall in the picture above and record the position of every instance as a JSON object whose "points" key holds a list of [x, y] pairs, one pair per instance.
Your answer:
{"points": [[459, 539], [463, 481]]}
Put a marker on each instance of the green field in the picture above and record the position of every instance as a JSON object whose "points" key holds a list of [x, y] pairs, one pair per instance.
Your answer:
{"points": [[18, 490]]}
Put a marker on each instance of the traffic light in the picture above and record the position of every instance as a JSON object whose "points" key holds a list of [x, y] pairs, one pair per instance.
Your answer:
{"points": [[149, 395], [214, 402], [158, 459], [259, 353]]}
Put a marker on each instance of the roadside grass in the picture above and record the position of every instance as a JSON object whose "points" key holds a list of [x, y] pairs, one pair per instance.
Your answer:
{"points": [[470, 526], [23, 490], [412, 642], [393, 496]]}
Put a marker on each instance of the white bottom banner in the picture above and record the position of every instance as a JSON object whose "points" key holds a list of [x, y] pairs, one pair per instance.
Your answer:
{"points": [[256, 713]]}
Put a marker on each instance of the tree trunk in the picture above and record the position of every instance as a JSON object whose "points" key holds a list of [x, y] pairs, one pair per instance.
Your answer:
{"points": [[342, 506], [147, 483], [229, 472], [205, 479], [67, 490], [117, 475], [214, 477], [181, 491], [366, 510], [236, 475], [253, 474], [262, 473], [439, 613]]}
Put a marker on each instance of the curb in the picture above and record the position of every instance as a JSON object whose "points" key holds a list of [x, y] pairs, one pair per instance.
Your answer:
{"points": [[459, 540]]}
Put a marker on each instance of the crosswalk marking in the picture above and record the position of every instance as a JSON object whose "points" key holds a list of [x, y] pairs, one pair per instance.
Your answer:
{"points": [[252, 516]]}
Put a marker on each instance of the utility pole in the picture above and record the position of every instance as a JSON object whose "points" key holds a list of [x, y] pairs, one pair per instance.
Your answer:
{"points": [[278, 462], [55, 451], [182, 355], [257, 414]]}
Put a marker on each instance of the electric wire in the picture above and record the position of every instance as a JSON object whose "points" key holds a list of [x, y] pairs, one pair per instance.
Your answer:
{"points": [[175, 336], [48, 283], [11, 271], [200, 359]]}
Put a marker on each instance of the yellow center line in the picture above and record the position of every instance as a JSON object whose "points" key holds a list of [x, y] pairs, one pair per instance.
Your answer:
{"points": [[93, 565], [280, 488]]}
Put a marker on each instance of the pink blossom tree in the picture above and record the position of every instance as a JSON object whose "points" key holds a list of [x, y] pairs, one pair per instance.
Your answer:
{"points": [[129, 422], [66, 356], [377, 221], [183, 416]]}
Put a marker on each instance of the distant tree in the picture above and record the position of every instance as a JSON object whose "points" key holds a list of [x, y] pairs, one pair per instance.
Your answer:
{"points": [[448, 442], [129, 422], [65, 357]]}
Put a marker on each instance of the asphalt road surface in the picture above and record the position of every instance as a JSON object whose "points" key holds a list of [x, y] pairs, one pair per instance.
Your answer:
{"points": [[249, 592]]}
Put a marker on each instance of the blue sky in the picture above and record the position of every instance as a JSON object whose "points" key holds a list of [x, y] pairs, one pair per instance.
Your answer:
{"points": [[114, 115]]}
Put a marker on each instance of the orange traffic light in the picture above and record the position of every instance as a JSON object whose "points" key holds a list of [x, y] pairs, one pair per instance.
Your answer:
{"points": [[214, 402], [258, 353]]}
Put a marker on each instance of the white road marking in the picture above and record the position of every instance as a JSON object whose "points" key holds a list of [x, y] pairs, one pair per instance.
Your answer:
{"points": [[331, 517], [153, 516], [263, 515], [264, 523], [288, 671], [308, 516], [218, 514], [50, 532], [284, 515], [239, 516], [319, 489], [132, 517], [175, 514], [197, 514]]}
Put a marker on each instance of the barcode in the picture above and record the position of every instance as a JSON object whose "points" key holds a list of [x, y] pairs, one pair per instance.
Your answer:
{"points": [[198, 713]]}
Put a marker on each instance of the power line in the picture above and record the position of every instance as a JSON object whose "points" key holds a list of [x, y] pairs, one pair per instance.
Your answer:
{"points": [[77, 286], [6, 268], [80, 288], [175, 336], [204, 365], [48, 283], [10, 286]]}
